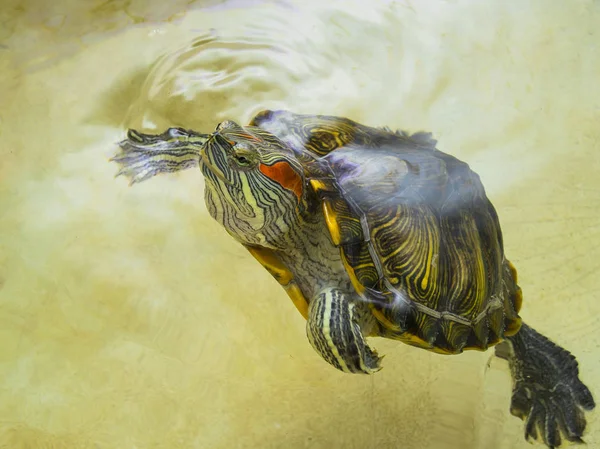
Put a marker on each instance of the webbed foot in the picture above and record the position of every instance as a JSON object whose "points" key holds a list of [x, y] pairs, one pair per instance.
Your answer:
{"points": [[143, 156], [547, 392]]}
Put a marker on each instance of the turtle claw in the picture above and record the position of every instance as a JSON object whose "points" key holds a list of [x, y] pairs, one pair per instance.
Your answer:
{"points": [[136, 163], [544, 419]]}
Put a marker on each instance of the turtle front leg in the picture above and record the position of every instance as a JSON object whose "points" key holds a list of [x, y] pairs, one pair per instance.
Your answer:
{"points": [[143, 156], [335, 330], [547, 393]]}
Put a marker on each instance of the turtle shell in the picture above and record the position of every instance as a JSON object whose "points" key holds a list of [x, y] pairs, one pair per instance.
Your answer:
{"points": [[417, 234]]}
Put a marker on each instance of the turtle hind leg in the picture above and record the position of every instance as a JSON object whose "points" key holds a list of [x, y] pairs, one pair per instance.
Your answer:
{"points": [[547, 393], [335, 330]]}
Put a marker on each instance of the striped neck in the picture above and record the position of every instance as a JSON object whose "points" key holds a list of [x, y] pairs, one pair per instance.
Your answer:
{"points": [[311, 256]]}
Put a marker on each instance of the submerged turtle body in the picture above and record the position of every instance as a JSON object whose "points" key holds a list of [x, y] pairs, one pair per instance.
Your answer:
{"points": [[419, 239], [373, 233]]}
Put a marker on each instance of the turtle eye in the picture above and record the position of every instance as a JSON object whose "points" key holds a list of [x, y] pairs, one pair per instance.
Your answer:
{"points": [[242, 160]]}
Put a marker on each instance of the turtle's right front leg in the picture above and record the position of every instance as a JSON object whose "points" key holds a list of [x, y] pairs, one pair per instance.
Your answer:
{"points": [[143, 156], [335, 331]]}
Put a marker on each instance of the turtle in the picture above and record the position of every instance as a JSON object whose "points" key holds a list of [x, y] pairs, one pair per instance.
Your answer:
{"points": [[373, 233]]}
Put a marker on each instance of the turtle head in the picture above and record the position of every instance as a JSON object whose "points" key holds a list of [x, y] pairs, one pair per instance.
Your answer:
{"points": [[254, 184]]}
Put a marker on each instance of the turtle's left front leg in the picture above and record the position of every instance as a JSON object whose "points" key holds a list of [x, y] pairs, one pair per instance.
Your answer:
{"points": [[143, 156], [335, 330]]}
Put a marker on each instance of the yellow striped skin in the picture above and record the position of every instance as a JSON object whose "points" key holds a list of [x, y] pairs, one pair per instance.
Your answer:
{"points": [[332, 314]]}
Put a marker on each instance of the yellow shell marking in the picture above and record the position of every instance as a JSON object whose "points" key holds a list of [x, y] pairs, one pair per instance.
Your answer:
{"points": [[317, 185], [513, 327], [415, 340], [360, 289], [384, 320], [425, 279], [407, 337], [330, 219], [518, 298], [513, 270]]}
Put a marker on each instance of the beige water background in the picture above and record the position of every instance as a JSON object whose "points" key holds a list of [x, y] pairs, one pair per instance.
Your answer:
{"points": [[129, 319]]}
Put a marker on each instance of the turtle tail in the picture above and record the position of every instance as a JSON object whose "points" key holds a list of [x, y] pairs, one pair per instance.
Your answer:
{"points": [[143, 156]]}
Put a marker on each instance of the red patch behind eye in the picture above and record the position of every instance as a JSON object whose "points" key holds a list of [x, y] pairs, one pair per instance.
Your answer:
{"points": [[284, 175]]}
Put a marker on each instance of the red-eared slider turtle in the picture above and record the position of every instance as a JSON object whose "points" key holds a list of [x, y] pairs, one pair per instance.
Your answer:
{"points": [[374, 233]]}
